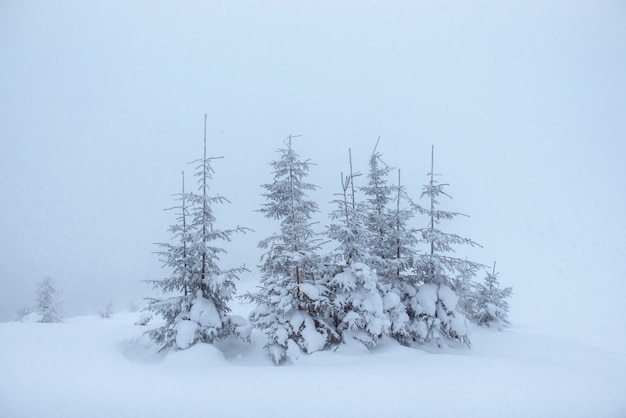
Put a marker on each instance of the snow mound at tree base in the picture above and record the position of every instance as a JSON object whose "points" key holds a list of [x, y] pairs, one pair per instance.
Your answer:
{"points": [[197, 357]]}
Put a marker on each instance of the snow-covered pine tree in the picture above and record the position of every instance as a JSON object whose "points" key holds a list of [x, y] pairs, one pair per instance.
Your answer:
{"points": [[390, 243], [378, 220], [197, 309], [348, 226], [401, 284], [403, 237], [436, 316], [47, 306], [357, 311], [291, 302], [463, 284], [175, 256], [489, 302]]}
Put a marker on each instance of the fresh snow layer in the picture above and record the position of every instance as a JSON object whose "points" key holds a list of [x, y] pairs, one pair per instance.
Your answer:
{"points": [[448, 297], [89, 366], [310, 290], [427, 298], [204, 312], [391, 300], [185, 333]]}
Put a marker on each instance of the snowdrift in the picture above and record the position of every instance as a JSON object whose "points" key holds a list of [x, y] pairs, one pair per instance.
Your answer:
{"points": [[89, 366]]}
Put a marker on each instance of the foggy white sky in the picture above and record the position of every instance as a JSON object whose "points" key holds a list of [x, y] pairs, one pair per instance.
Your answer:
{"points": [[102, 104]]}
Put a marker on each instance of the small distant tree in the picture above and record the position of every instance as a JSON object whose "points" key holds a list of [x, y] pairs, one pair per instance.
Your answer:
{"points": [[291, 302], [47, 306], [196, 309], [107, 312], [490, 306]]}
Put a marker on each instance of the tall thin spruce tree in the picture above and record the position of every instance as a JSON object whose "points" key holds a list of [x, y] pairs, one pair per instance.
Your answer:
{"points": [[437, 317], [292, 302], [403, 237], [400, 285], [378, 219], [196, 309], [390, 243], [348, 223]]}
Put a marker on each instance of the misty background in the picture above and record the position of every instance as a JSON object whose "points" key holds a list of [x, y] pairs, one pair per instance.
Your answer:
{"points": [[102, 106]]}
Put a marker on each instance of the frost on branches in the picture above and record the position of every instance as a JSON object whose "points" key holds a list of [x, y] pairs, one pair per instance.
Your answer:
{"points": [[348, 224], [489, 302], [198, 290], [292, 300]]}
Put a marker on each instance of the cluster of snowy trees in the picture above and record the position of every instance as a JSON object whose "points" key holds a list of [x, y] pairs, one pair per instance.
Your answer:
{"points": [[384, 277]]}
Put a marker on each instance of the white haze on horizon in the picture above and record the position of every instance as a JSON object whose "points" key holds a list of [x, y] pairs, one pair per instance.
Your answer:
{"points": [[103, 106]]}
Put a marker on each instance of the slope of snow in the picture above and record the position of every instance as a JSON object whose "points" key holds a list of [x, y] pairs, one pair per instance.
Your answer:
{"points": [[88, 366]]}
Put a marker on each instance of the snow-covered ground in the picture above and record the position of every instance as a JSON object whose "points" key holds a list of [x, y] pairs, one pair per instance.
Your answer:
{"points": [[94, 367]]}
